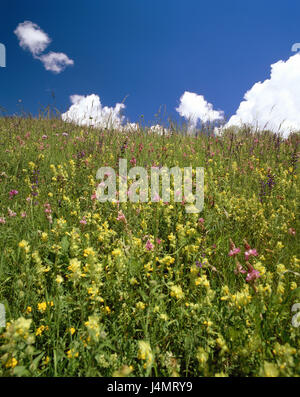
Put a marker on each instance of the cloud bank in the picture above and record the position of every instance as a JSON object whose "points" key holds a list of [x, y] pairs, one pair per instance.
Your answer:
{"points": [[33, 38], [195, 108], [273, 104], [88, 110]]}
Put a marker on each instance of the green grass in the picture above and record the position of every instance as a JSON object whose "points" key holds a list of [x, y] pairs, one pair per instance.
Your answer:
{"points": [[100, 281]]}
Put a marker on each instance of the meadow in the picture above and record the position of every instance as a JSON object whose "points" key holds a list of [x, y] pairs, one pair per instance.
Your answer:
{"points": [[146, 289]]}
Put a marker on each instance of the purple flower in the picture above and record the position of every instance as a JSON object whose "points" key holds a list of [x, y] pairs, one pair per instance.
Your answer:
{"points": [[252, 275], [13, 193], [234, 251]]}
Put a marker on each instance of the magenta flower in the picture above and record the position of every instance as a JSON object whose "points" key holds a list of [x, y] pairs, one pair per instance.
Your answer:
{"points": [[149, 245], [239, 269], [133, 161], [250, 252], [83, 221], [252, 275], [13, 193], [234, 251], [121, 217]]}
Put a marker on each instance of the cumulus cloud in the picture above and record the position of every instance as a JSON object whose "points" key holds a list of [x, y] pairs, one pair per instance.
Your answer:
{"points": [[88, 110], [33, 38], [195, 108], [273, 104], [56, 61]]}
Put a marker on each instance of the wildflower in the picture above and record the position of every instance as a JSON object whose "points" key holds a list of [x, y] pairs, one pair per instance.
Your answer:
{"points": [[249, 253], [149, 245], [145, 353], [11, 363], [252, 275], [94, 328], [40, 330], [2, 220], [59, 279], [13, 193], [23, 214], [292, 231], [29, 309], [269, 370], [83, 221], [234, 252], [123, 372], [202, 356], [239, 269], [24, 244], [121, 217], [72, 354], [140, 305], [177, 292], [72, 330], [11, 213]]}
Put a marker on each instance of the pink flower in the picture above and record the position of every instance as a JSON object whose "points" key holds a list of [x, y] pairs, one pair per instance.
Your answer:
{"points": [[13, 193], [2, 220], [234, 251], [93, 196], [250, 252], [121, 217], [11, 213], [239, 269], [133, 161], [83, 221], [201, 220], [149, 245], [23, 214], [252, 275]]}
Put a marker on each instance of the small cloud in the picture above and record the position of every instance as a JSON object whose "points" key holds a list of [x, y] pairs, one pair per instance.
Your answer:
{"points": [[195, 108], [55, 61], [88, 110], [274, 103], [33, 38]]}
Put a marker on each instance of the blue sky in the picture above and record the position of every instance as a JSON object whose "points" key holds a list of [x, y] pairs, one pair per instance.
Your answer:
{"points": [[151, 50]]}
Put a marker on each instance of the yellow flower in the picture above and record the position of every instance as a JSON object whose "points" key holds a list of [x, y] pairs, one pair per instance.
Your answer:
{"points": [[177, 292], [28, 310], [42, 306], [59, 279], [72, 330], [140, 305], [11, 363], [44, 237], [145, 353]]}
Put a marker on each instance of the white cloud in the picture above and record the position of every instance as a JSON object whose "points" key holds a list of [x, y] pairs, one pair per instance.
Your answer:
{"points": [[195, 108], [88, 110], [56, 61], [275, 103], [33, 38]]}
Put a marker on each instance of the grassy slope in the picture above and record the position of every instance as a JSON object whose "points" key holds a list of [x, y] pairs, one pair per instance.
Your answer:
{"points": [[114, 293]]}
